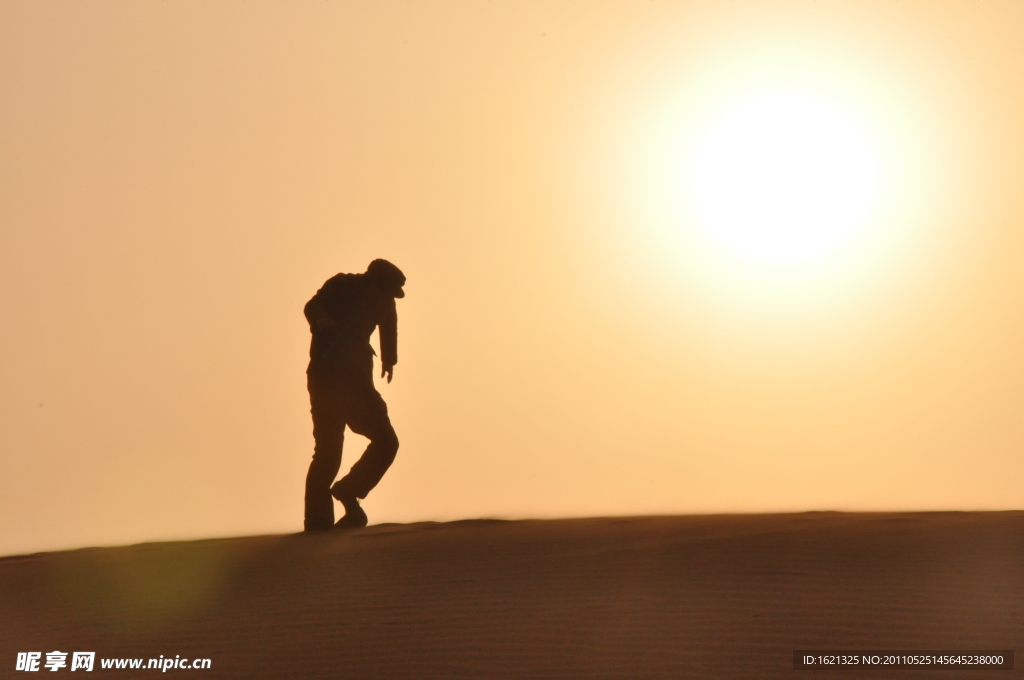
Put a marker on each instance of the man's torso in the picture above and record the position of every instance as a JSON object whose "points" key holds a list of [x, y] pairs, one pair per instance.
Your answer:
{"points": [[355, 308]]}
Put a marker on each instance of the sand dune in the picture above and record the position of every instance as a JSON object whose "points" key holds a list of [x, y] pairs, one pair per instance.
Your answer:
{"points": [[727, 596]]}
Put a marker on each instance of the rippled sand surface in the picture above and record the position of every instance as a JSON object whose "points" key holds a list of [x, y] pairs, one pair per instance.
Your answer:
{"points": [[719, 596]]}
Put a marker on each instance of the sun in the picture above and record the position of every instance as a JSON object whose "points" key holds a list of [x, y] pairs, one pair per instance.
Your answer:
{"points": [[781, 180]]}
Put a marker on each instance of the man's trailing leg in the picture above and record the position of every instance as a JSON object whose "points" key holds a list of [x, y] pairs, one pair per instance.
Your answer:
{"points": [[354, 517]]}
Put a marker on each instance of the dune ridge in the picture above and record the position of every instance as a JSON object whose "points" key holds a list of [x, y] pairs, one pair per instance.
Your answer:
{"points": [[715, 596]]}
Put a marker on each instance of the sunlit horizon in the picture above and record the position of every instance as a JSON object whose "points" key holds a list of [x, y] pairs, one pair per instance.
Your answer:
{"points": [[661, 257]]}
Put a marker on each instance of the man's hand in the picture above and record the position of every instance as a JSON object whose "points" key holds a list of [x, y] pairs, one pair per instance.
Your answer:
{"points": [[387, 371]]}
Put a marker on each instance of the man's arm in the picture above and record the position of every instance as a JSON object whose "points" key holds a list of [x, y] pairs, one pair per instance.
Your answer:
{"points": [[316, 310], [389, 340], [315, 314]]}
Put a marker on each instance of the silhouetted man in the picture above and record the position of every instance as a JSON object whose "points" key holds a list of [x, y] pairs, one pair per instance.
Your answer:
{"points": [[342, 316]]}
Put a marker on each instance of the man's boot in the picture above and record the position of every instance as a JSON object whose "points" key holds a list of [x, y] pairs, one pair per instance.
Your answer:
{"points": [[354, 517]]}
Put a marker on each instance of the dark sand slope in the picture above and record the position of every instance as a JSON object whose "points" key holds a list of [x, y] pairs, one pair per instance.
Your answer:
{"points": [[651, 597]]}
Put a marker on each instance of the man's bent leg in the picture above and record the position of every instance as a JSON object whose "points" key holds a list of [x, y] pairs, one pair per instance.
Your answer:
{"points": [[328, 436], [369, 417]]}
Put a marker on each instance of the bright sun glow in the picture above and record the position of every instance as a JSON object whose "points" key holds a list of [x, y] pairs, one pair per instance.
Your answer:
{"points": [[782, 180]]}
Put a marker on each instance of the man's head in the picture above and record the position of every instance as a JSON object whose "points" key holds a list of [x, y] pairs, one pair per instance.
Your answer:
{"points": [[387, 277]]}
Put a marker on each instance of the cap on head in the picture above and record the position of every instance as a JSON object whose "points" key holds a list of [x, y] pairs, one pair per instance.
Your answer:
{"points": [[387, 276]]}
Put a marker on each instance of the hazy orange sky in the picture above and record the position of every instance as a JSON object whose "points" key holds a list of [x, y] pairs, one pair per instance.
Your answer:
{"points": [[179, 178]]}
